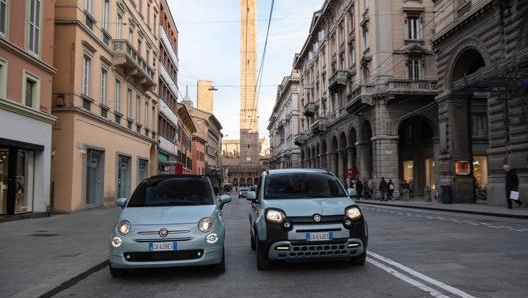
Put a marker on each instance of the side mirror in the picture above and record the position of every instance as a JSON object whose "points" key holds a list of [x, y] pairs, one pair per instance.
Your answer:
{"points": [[251, 196], [224, 199], [121, 202], [352, 192]]}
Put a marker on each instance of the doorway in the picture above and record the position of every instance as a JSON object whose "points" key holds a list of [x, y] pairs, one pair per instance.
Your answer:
{"points": [[94, 177], [123, 176]]}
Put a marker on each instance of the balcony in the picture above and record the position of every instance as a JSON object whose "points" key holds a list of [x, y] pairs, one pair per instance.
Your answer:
{"points": [[299, 139], [409, 87], [310, 109], [338, 80], [360, 98], [133, 64], [318, 126]]}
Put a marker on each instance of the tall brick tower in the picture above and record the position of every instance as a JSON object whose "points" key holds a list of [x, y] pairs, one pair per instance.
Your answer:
{"points": [[249, 130]]}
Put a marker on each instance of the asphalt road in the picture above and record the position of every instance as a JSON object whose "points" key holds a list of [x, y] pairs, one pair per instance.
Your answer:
{"points": [[412, 253]]}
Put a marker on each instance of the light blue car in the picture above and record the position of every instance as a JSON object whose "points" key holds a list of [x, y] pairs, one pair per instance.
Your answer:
{"points": [[169, 221], [303, 215]]}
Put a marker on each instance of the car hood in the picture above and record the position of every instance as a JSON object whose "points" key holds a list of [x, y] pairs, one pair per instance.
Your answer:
{"points": [[168, 215], [303, 207]]}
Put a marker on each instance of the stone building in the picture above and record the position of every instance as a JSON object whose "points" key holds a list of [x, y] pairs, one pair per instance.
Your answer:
{"points": [[482, 51], [236, 174], [208, 134], [284, 124], [105, 99], [169, 126], [368, 81], [26, 74]]}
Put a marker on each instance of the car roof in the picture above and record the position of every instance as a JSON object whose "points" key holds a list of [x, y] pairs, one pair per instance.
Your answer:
{"points": [[172, 176], [296, 170]]}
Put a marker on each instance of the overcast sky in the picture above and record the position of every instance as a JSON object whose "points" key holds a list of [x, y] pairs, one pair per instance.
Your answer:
{"points": [[209, 49]]}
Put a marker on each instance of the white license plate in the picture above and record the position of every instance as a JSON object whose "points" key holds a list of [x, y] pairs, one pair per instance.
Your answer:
{"points": [[162, 246], [319, 236]]}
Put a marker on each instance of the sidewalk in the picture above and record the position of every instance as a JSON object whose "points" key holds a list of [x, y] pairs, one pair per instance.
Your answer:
{"points": [[480, 208], [41, 256]]}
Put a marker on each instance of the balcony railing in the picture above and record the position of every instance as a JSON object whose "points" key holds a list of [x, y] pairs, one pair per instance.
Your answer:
{"points": [[310, 109], [397, 86], [338, 80], [132, 63], [299, 139]]}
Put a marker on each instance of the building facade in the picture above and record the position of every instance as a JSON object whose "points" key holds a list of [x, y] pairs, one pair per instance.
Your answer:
{"points": [[168, 91], [482, 50], [208, 131], [26, 73], [237, 175], [105, 99], [186, 130], [284, 124], [368, 81]]}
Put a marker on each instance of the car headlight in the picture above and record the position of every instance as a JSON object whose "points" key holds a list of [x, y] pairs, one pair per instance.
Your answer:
{"points": [[123, 227], [275, 216], [353, 213], [205, 224]]}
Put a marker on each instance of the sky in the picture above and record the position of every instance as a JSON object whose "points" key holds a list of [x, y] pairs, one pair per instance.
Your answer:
{"points": [[209, 49]]}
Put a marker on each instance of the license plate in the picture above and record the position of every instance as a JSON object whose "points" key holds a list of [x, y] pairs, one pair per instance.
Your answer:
{"points": [[319, 236], [162, 246]]}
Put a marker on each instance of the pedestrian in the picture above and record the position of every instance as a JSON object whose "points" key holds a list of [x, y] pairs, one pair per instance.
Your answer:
{"points": [[410, 188], [359, 188], [391, 189], [512, 184], [383, 188]]}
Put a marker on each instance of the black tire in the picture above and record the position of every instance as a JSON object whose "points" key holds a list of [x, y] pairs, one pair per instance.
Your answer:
{"points": [[116, 272], [262, 261], [359, 260]]}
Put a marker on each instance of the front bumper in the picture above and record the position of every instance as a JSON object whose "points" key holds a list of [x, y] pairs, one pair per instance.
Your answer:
{"points": [[292, 245], [191, 252], [302, 250]]}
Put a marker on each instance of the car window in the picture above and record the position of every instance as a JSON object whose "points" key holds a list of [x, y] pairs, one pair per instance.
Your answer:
{"points": [[302, 185], [172, 192]]}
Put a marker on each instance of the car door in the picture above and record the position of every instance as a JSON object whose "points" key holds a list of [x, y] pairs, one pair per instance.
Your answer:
{"points": [[255, 207]]}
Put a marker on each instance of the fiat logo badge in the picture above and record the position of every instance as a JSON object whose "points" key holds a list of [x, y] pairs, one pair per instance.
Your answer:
{"points": [[163, 232], [317, 218]]}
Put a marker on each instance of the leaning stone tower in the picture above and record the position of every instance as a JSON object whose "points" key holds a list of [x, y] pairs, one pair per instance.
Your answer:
{"points": [[249, 130]]}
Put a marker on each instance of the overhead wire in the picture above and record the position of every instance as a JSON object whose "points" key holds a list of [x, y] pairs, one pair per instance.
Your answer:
{"points": [[261, 68]]}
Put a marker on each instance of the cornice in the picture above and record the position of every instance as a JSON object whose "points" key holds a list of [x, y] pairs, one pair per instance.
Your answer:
{"points": [[16, 108], [18, 51]]}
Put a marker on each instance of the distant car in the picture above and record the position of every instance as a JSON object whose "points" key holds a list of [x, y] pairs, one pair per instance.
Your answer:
{"points": [[305, 214], [242, 191], [169, 221]]}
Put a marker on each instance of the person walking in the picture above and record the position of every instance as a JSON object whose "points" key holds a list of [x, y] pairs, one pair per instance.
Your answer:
{"points": [[359, 188], [391, 189], [383, 188], [512, 183]]}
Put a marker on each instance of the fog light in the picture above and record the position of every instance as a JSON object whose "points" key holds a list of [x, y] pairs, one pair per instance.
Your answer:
{"points": [[116, 242], [353, 244], [348, 222], [212, 238]]}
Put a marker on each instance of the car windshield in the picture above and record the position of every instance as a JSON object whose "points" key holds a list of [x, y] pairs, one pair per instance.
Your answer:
{"points": [[180, 191], [302, 185]]}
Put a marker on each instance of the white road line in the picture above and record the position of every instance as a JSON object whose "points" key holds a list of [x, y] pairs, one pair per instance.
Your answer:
{"points": [[425, 278], [407, 279]]}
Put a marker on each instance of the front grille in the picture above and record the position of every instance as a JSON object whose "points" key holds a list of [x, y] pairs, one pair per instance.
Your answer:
{"points": [[163, 255], [325, 219], [321, 250]]}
